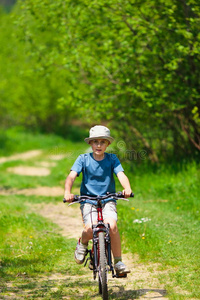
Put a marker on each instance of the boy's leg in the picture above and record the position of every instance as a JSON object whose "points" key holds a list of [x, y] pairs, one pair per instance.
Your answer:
{"points": [[81, 247], [110, 216], [88, 214], [119, 266], [86, 234], [115, 237]]}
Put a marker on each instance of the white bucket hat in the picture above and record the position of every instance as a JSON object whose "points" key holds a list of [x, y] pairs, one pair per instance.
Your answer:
{"points": [[99, 132]]}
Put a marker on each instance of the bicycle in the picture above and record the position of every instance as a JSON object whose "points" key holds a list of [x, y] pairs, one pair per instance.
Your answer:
{"points": [[100, 255]]}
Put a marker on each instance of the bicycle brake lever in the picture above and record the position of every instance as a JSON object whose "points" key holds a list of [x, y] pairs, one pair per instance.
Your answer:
{"points": [[74, 202]]}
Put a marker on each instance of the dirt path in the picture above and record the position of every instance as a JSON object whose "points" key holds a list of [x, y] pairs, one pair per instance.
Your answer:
{"points": [[142, 281], [21, 156], [143, 278], [47, 191]]}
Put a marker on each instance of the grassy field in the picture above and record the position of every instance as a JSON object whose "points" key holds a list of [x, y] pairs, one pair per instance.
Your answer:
{"points": [[161, 225]]}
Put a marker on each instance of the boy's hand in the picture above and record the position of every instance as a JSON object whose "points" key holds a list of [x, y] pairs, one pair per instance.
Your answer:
{"points": [[69, 197], [123, 179], [127, 193]]}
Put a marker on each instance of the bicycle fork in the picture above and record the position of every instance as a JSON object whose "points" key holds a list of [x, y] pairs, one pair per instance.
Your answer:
{"points": [[106, 229]]}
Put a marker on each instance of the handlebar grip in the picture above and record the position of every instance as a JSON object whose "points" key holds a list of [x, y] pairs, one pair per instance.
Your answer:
{"points": [[76, 198], [120, 194]]}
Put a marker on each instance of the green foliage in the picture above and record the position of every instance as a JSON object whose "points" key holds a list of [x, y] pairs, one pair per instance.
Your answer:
{"points": [[19, 139], [29, 95], [134, 63]]}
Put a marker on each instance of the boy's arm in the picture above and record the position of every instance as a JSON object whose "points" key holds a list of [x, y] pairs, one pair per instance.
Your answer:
{"points": [[123, 179], [68, 186]]}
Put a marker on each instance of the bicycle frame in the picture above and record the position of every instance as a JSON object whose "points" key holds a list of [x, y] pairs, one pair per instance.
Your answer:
{"points": [[100, 254], [101, 227]]}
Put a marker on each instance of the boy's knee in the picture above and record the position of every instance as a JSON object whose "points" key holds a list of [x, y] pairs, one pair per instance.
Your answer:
{"points": [[88, 231], [113, 229], [113, 226]]}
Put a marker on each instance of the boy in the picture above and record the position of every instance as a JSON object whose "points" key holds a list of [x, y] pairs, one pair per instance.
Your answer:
{"points": [[98, 168]]}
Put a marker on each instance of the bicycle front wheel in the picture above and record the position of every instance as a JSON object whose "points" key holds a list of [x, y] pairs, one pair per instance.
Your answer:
{"points": [[103, 288]]}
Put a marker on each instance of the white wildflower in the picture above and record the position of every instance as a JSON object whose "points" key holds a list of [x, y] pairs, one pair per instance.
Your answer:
{"points": [[142, 220]]}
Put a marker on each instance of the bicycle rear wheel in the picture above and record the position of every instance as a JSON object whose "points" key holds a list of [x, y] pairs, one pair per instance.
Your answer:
{"points": [[103, 287]]}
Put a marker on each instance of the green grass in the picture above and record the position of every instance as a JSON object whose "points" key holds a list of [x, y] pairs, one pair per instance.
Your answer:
{"points": [[31, 245], [32, 248], [16, 139], [171, 236]]}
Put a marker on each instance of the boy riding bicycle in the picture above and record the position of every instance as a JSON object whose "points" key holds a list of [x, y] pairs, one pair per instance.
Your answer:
{"points": [[98, 168]]}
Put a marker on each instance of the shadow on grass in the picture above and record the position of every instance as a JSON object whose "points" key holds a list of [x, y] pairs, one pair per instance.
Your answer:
{"points": [[123, 294], [68, 287]]}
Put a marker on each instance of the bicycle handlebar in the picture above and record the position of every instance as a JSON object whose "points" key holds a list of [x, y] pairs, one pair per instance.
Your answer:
{"points": [[114, 196]]}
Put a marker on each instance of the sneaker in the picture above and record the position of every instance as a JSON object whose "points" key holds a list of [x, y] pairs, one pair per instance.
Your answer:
{"points": [[121, 268], [80, 252]]}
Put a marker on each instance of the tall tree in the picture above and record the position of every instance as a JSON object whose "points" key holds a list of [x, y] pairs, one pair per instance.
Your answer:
{"points": [[135, 63], [29, 95]]}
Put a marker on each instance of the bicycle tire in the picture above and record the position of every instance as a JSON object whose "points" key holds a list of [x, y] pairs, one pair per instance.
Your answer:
{"points": [[103, 287]]}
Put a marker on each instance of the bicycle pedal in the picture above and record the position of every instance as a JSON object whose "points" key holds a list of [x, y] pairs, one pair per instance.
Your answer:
{"points": [[91, 266], [121, 275]]}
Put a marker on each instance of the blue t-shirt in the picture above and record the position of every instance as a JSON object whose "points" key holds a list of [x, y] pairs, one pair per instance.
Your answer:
{"points": [[98, 176]]}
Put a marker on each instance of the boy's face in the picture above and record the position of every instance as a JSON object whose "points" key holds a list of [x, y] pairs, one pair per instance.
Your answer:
{"points": [[99, 146]]}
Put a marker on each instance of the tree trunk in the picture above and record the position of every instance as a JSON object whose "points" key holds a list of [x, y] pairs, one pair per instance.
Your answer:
{"points": [[153, 156]]}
